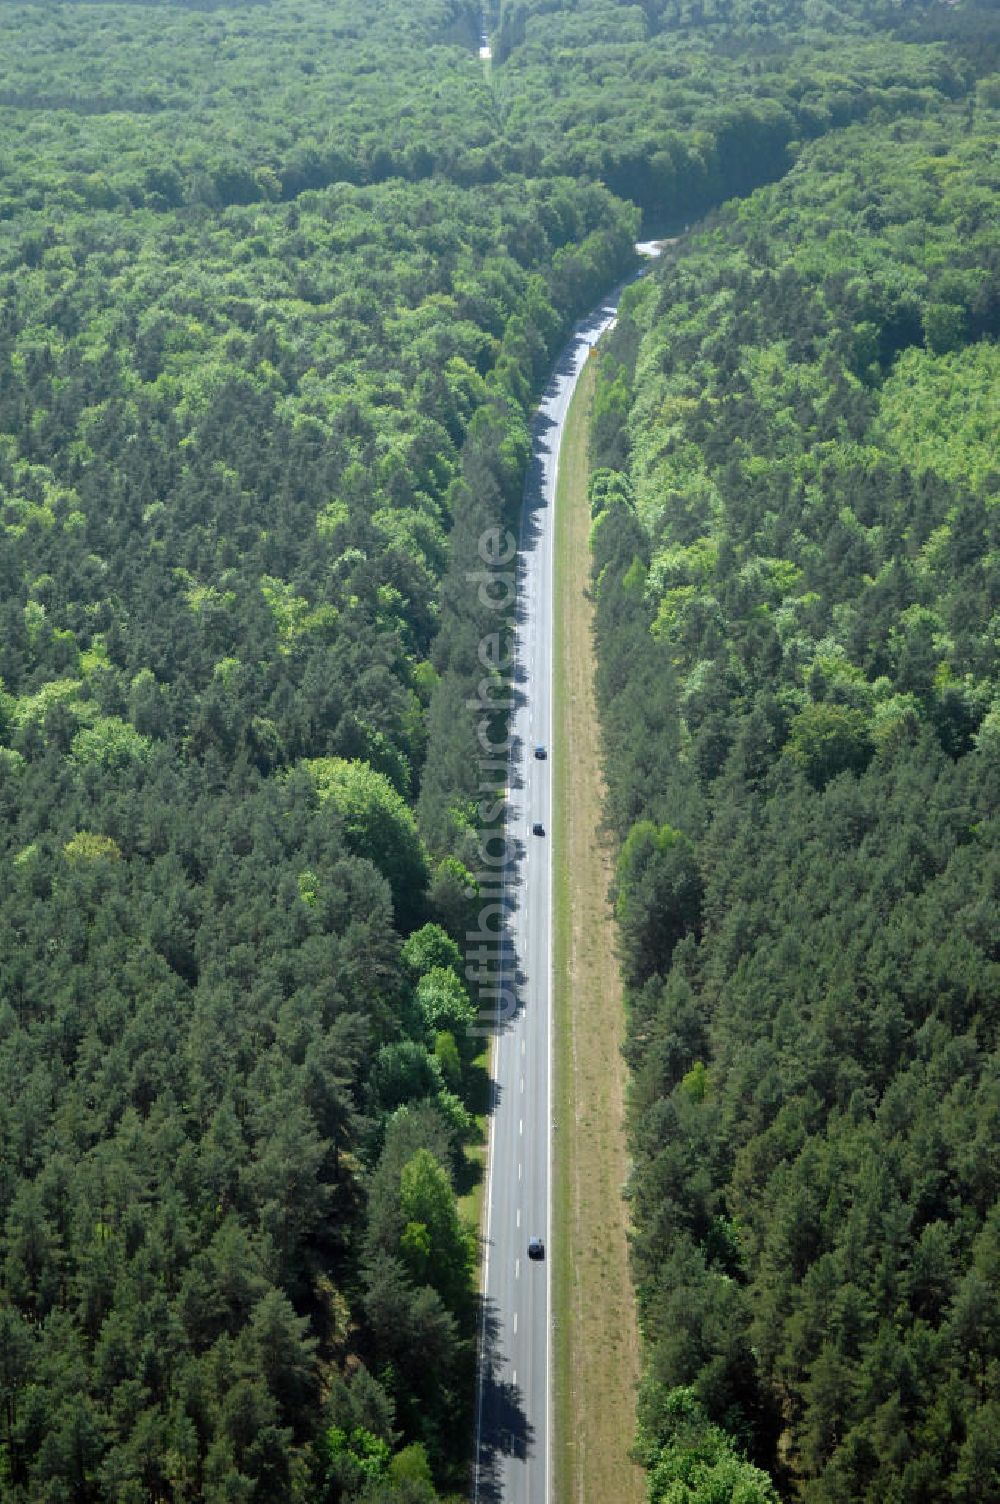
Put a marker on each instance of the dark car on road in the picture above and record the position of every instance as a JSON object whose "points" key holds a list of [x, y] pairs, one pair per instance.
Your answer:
{"points": [[540, 752], [536, 1248], [538, 829]]}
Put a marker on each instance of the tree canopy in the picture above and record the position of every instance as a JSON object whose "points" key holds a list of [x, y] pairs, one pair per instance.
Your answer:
{"points": [[795, 567], [279, 284]]}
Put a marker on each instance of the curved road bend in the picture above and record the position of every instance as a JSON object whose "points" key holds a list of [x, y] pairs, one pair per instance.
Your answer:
{"points": [[512, 1462]]}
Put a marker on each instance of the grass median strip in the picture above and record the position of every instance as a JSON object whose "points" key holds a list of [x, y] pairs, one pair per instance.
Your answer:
{"points": [[596, 1345]]}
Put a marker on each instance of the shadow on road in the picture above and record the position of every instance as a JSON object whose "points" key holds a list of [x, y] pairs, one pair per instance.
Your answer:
{"points": [[504, 1431]]}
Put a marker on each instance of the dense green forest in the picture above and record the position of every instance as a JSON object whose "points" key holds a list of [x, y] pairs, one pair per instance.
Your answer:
{"points": [[278, 284], [254, 396], [797, 578]]}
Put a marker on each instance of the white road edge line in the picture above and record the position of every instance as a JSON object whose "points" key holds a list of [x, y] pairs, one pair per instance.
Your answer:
{"points": [[550, 972]]}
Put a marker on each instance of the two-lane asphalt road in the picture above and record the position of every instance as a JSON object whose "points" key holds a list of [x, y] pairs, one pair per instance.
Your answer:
{"points": [[512, 1439]]}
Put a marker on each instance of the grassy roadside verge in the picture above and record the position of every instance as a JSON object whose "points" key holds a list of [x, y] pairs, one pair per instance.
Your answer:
{"points": [[595, 1342], [471, 1187]]}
